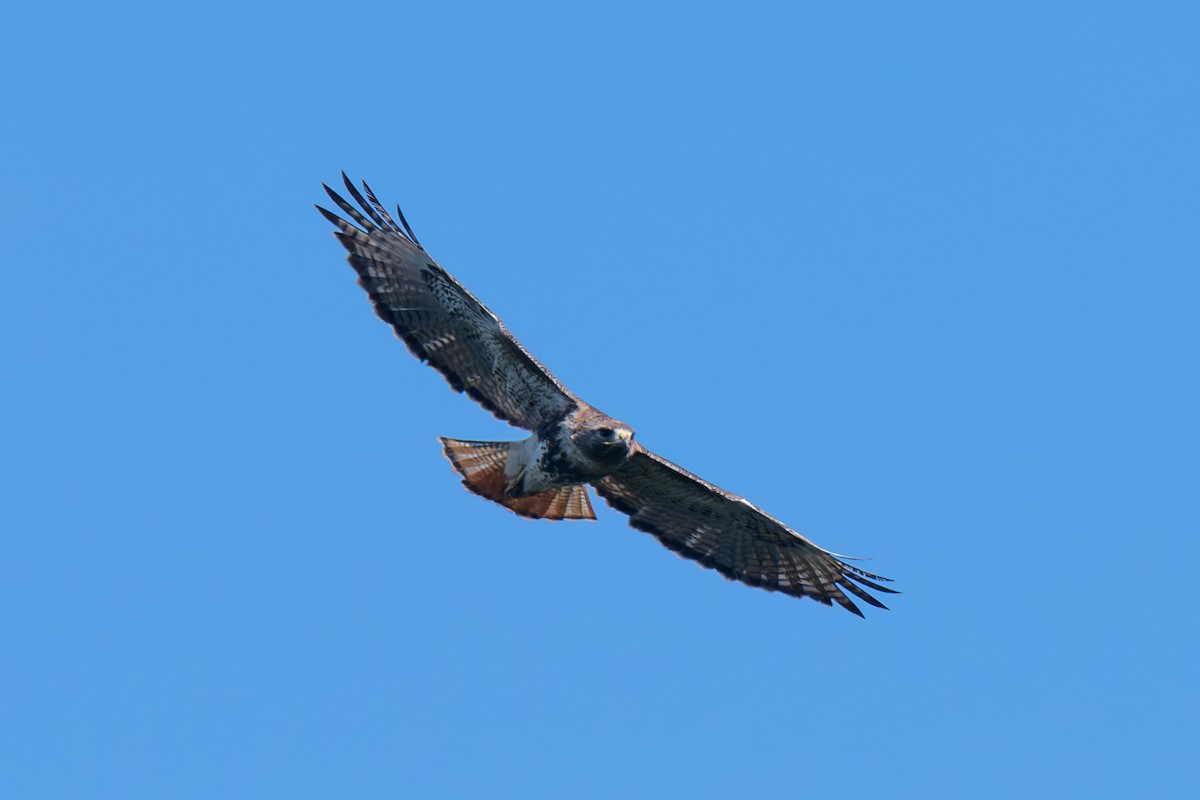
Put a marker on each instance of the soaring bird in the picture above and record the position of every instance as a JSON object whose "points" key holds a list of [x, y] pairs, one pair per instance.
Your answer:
{"points": [[572, 444]]}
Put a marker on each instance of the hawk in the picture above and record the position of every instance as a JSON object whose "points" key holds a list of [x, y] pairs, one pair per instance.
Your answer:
{"points": [[572, 445]]}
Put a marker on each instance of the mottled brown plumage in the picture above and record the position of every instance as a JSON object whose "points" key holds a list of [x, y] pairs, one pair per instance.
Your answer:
{"points": [[573, 444]]}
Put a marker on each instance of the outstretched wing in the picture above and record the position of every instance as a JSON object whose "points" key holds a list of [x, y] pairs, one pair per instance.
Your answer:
{"points": [[440, 321], [726, 533]]}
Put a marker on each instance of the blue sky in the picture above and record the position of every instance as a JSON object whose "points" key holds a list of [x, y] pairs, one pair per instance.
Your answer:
{"points": [[918, 278]]}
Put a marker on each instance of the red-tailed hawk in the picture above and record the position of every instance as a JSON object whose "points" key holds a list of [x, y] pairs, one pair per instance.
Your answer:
{"points": [[573, 445]]}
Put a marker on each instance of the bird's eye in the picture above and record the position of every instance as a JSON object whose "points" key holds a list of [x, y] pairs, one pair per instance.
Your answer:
{"points": [[606, 433]]}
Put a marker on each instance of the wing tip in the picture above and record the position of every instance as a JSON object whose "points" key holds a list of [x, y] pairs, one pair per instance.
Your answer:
{"points": [[372, 211]]}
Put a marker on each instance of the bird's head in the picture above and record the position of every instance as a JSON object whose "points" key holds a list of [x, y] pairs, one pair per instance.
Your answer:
{"points": [[605, 439]]}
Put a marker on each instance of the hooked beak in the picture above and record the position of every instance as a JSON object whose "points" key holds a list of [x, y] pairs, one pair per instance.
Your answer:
{"points": [[624, 434]]}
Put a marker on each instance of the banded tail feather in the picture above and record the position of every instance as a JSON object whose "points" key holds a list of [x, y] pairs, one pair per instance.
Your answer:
{"points": [[483, 466]]}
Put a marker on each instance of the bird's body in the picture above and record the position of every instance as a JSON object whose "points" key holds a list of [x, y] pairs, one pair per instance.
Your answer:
{"points": [[581, 447], [572, 445]]}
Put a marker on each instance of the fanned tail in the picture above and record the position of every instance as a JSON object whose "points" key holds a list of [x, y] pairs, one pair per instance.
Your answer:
{"points": [[483, 469]]}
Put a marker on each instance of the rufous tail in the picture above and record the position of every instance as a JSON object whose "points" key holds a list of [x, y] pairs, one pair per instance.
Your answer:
{"points": [[482, 465]]}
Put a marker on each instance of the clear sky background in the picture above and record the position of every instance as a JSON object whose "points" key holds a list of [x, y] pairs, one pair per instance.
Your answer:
{"points": [[920, 279]]}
